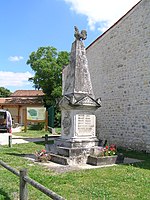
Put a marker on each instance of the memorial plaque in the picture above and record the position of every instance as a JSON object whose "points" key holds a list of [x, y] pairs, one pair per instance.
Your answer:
{"points": [[85, 125]]}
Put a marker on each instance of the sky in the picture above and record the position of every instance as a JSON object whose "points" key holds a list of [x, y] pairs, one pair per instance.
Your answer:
{"points": [[27, 25]]}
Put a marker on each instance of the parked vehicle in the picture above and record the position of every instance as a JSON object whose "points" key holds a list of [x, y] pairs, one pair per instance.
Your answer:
{"points": [[5, 121]]}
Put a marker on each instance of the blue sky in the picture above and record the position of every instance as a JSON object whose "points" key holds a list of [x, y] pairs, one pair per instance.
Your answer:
{"points": [[27, 25]]}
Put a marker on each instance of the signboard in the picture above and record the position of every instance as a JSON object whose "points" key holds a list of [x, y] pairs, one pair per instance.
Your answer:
{"points": [[36, 113]]}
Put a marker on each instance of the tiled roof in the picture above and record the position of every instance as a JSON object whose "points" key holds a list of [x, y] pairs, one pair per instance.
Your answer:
{"points": [[27, 93], [24, 101], [21, 101], [22, 97]]}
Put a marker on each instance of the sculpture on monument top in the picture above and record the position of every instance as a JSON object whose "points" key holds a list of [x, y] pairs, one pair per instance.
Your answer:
{"points": [[78, 35]]}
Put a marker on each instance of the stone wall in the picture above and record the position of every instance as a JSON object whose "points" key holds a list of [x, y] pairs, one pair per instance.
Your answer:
{"points": [[119, 64]]}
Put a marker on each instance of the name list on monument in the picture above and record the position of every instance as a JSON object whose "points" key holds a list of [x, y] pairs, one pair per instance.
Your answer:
{"points": [[85, 124]]}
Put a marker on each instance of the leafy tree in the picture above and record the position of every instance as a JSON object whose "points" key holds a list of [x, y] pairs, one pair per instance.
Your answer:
{"points": [[47, 64], [4, 92]]}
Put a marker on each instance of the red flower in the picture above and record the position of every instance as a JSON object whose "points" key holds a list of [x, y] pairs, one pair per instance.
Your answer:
{"points": [[113, 146], [112, 149], [106, 147]]}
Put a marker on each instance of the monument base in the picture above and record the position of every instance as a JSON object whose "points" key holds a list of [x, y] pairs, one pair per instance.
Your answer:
{"points": [[71, 152], [71, 160], [77, 142]]}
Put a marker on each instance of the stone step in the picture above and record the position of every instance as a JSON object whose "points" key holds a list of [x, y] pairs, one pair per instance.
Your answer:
{"points": [[59, 159], [71, 152], [71, 160]]}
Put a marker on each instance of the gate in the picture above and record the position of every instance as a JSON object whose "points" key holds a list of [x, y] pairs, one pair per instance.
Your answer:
{"points": [[51, 116]]}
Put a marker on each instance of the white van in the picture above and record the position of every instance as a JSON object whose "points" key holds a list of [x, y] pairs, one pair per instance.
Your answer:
{"points": [[5, 121]]}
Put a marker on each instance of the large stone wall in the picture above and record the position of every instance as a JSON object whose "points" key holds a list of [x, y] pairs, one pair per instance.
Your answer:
{"points": [[119, 64]]}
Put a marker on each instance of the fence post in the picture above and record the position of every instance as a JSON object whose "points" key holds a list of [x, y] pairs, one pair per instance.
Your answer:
{"points": [[23, 185], [10, 140], [46, 139]]}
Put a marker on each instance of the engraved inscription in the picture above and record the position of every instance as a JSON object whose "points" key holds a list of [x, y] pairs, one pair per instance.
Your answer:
{"points": [[85, 125]]}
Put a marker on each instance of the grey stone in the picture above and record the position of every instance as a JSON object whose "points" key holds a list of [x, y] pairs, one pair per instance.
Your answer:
{"points": [[78, 106]]}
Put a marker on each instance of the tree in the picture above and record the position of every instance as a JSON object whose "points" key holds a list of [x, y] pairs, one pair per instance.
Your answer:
{"points": [[47, 64], [4, 92]]}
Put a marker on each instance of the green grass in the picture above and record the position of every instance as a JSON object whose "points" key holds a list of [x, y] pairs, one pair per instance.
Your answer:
{"points": [[35, 133], [32, 133], [121, 182]]}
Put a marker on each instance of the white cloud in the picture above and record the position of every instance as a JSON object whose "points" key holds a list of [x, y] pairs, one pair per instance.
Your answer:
{"points": [[101, 14], [14, 79], [15, 58]]}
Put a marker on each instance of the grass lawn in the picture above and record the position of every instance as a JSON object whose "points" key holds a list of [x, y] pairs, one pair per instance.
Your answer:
{"points": [[121, 182], [35, 133], [32, 133]]}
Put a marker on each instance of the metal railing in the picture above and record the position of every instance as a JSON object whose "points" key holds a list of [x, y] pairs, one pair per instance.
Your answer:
{"points": [[24, 179]]}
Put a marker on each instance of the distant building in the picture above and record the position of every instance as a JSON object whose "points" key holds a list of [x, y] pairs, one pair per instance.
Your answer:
{"points": [[19, 101], [119, 64]]}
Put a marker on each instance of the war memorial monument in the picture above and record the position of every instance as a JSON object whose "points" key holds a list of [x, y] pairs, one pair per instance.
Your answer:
{"points": [[78, 106]]}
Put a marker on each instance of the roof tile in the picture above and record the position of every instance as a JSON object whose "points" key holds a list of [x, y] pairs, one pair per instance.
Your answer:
{"points": [[27, 93]]}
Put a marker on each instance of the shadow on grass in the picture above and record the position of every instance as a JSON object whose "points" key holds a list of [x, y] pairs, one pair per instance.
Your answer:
{"points": [[33, 140], [4, 194], [43, 143], [22, 155], [145, 157], [142, 165]]}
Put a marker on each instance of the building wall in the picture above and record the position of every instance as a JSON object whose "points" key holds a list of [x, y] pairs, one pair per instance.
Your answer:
{"points": [[119, 64], [14, 114]]}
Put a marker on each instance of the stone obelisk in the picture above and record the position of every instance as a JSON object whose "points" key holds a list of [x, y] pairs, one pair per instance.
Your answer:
{"points": [[78, 104]]}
